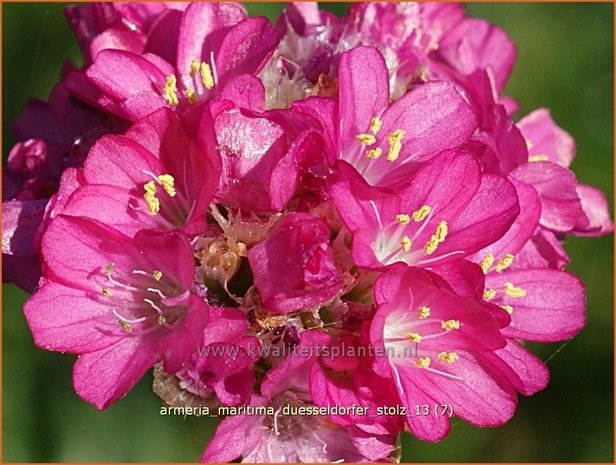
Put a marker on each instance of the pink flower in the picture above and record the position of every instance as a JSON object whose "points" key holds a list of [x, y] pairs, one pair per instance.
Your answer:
{"points": [[158, 175], [294, 269], [262, 152], [449, 211], [223, 362], [276, 437], [121, 304], [123, 26], [454, 363], [189, 57], [384, 142]]}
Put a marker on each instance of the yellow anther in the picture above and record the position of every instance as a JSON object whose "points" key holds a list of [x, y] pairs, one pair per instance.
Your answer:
{"points": [[109, 267], [194, 67], [487, 262], [441, 231], [167, 181], [431, 245], [504, 263], [206, 75], [419, 215], [540, 157], [150, 197], [106, 292], [171, 90], [395, 144], [375, 124], [161, 320], [403, 218], [424, 312], [422, 362], [374, 153], [366, 139], [191, 96], [507, 308], [157, 275], [126, 326], [150, 187], [437, 238], [450, 324], [406, 243], [414, 337], [513, 291], [489, 294], [448, 357]]}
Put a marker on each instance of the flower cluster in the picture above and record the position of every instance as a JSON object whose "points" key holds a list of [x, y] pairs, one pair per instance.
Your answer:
{"points": [[209, 187]]}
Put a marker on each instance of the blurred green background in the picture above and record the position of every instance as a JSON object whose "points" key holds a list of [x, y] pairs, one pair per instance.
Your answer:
{"points": [[565, 63]]}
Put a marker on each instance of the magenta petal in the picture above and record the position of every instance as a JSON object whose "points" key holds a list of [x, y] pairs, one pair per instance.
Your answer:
{"points": [[117, 38], [532, 372], [201, 31], [556, 186], [522, 229], [294, 268], [104, 376], [364, 91], [164, 34], [127, 160], [77, 328], [123, 74], [20, 220], [234, 436], [551, 309], [177, 346], [114, 206], [473, 44], [434, 117], [245, 91], [546, 141], [596, 210], [245, 49]]}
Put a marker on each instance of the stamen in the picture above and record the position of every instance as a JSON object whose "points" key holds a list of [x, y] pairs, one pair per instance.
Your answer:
{"points": [[150, 197], [504, 263], [419, 215], [513, 291], [375, 125], [437, 238], [448, 357], [535, 158], [206, 75], [395, 144], [373, 154], [194, 67], [403, 218], [366, 139], [507, 308], [191, 96], [406, 243], [489, 294], [109, 267], [414, 337], [422, 362], [487, 263], [126, 326], [424, 312], [167, 181], [157, 275], [171, 90], [161, 320], [450, 325], [106, 292]]}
